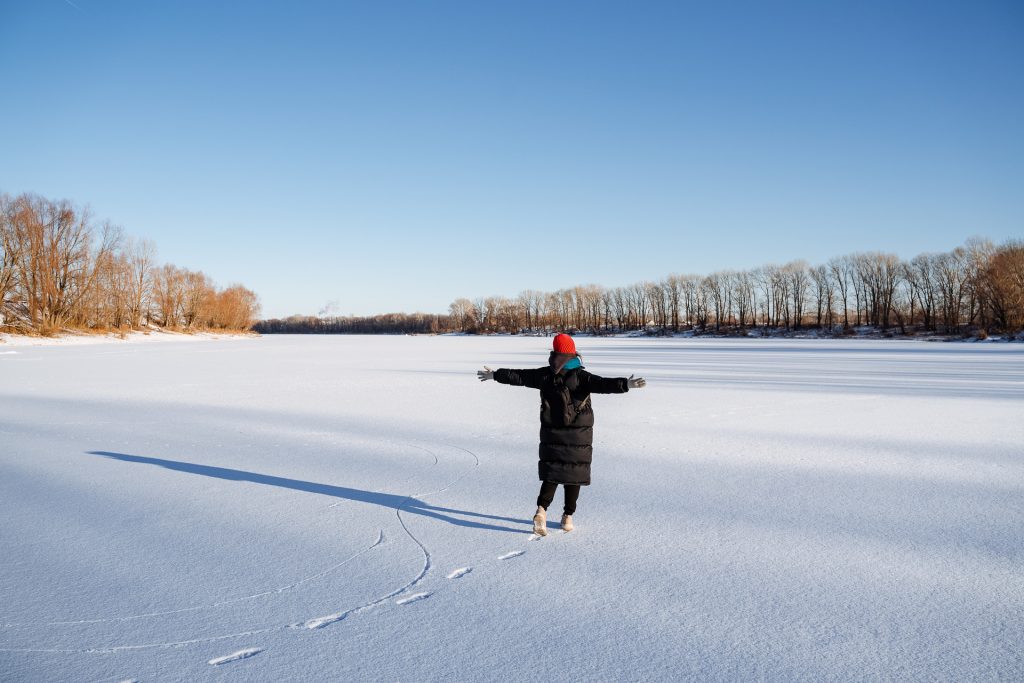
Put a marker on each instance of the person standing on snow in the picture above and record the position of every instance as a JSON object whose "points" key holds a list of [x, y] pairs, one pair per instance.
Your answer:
{"points": [[566, 422]]}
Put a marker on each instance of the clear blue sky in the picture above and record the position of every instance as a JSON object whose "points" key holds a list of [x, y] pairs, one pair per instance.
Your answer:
{"points": [[395, 156]]}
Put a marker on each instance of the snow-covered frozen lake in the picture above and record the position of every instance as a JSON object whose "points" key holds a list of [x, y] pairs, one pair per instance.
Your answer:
{"points": [[359, 508]]}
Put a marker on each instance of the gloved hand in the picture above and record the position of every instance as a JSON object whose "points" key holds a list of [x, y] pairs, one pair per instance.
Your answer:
{"points": [[638, 383], [485, 374]]}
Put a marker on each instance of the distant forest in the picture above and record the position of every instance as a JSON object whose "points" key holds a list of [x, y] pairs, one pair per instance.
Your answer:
{"points": [[977, 288], [60, 269]]}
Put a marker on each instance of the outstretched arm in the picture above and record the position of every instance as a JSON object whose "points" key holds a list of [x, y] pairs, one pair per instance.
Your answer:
{"points": [[596, 384], [519, 378]]}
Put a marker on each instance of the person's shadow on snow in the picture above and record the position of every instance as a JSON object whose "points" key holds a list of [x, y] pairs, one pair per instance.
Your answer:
{"points": [[388, 500]]}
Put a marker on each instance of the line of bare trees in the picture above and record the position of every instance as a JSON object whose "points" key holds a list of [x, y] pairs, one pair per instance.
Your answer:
{"points": [[976, 288], [59, 269], [386, 323]]}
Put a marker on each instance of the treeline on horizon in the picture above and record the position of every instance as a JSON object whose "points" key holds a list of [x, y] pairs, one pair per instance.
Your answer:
{"points": [[977, 288], [61, 269]]}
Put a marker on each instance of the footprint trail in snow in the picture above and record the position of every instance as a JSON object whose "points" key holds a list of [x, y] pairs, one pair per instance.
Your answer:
{"points": [[415, 597], [235, 656]]}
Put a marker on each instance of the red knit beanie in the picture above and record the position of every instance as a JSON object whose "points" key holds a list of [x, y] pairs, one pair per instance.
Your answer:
{"points": [[563, 344]]}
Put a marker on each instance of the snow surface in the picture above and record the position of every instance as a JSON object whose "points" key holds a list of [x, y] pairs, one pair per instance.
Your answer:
{"points": [[283, 508], [153, 335]]}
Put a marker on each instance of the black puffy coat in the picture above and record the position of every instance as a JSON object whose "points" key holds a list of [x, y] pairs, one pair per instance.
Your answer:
{"points": [[566, 418]]}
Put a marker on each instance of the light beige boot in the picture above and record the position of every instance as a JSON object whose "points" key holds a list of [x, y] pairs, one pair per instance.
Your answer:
{"points": [[567, 523], [540, 522]]}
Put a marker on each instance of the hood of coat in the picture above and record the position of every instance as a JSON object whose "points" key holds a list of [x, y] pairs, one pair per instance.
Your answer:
{"points": [[563, 362]]}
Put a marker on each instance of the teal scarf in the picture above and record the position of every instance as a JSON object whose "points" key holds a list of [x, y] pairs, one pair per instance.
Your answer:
{"points": [[572, 364]]}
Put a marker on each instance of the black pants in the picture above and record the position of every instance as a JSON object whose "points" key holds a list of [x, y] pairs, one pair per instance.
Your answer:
{"points": [[547, 494]]}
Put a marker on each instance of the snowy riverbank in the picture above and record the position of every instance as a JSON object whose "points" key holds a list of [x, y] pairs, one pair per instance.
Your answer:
{"points": [[135, 337]]}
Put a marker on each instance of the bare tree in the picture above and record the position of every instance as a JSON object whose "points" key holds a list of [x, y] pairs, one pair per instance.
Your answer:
{"points": [[780, 284], [169, 295], [744, 296], [526, 300], [108, 302], [57, 258], [798, 280], [672, 287], [198, 293], [690, 284], [10, 255], [463, 313], [639, 304], [658, 304], [841, 269], [701, 296], [923, 285], [824, 292], [976, 254], [1004, 286], [237, 307], [765, 278], [717, 287], [141, 256], [620, 307]]}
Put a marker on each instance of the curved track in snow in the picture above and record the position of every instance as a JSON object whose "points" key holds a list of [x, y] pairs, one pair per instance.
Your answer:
{"points": [[311, 624], [228, 601], [320, 622]]}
